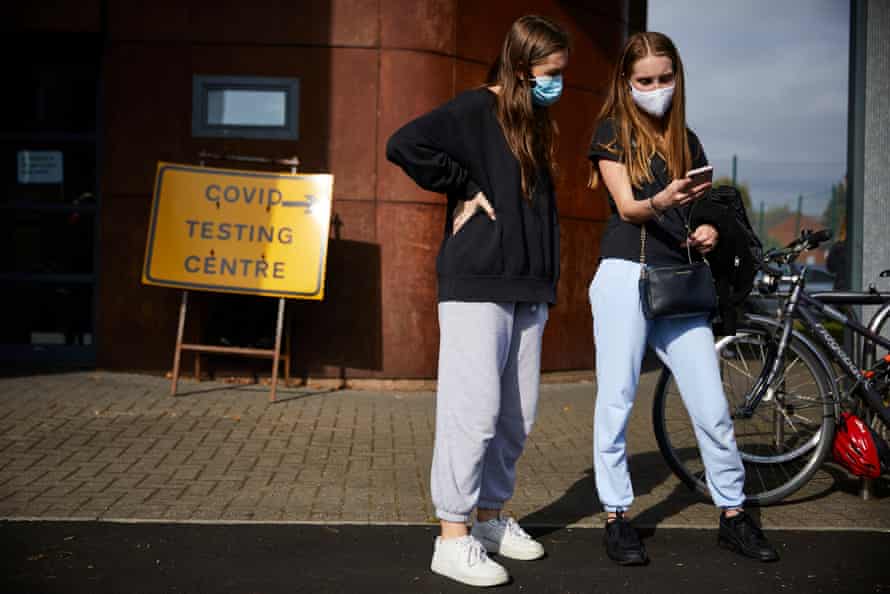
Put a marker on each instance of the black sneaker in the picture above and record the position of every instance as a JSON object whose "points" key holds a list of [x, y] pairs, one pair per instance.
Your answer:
{"points": [[623, 544], [741, 534]]}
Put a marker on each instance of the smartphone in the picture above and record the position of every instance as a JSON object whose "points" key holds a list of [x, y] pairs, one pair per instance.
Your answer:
{"points": [[701, 175]]}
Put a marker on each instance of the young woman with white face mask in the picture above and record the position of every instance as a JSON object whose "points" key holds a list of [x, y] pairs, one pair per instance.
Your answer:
{"points": [[491, 150], [641, 151]]}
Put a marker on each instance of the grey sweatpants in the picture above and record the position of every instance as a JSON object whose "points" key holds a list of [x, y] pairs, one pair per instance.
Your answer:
{"points": [[489, 373]]}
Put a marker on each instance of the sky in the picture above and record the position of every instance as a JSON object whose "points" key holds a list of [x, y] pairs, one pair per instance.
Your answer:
{"points": [[766, 80]]}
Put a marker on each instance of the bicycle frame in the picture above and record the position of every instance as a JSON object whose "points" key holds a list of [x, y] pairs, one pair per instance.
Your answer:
{"points": [[800, 305]]}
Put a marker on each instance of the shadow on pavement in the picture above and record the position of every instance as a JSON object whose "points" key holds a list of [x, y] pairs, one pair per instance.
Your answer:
{"points": [[839, 480], [283, 394], [648, 471]]}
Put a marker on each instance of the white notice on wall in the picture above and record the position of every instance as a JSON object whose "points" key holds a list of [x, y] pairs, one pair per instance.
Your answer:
{"points": [[40, 167]]}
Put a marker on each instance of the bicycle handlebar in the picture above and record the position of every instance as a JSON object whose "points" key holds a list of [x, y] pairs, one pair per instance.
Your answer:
{"points": [[808, 240], [820, 236]]}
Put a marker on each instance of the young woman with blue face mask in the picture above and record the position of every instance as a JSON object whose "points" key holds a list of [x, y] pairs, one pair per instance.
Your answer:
{"points": [[491, 151], [641, 151]]}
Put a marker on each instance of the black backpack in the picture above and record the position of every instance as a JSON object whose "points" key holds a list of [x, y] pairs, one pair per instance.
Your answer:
{"points": [[748, 249]]}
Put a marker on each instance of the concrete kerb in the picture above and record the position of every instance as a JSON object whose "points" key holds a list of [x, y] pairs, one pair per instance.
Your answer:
{"points": [[335, 523], [369, 384]]}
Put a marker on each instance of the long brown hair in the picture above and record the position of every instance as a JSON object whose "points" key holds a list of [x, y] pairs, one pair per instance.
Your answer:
{"points": [[633, 133], [530, 131]]}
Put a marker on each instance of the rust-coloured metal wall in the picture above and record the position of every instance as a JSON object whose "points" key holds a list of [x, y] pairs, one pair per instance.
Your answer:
{"points": [[366, 67], [422, 66]]}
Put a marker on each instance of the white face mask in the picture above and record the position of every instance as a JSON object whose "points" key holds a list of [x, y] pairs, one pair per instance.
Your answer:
{"points": [[655, 102]]}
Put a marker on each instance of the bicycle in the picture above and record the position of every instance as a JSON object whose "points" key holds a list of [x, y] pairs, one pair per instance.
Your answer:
{"points": [[781, 383]]}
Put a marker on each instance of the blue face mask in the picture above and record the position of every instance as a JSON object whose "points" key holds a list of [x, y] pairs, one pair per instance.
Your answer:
{"points": [[547, 90]]}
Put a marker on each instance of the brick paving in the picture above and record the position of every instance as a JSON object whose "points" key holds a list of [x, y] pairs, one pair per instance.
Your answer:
{"points": [[118, 447]]}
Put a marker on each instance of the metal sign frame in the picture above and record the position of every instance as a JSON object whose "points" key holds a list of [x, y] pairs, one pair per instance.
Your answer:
{"points": [[274, 353]]}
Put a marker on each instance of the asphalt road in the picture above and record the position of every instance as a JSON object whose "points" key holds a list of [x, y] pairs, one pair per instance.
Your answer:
{"points": [[93, 557]]}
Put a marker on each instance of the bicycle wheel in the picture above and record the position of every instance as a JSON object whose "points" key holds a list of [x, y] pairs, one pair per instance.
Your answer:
{"points": [[785, 440]]}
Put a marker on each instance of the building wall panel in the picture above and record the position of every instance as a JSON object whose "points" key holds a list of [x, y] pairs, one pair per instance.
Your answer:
{"points": [[68, 16], [261, 22], [431, 84], [366, 68]]}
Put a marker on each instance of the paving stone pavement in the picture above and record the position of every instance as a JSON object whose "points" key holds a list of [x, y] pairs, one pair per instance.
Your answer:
{"points": [[108, 446]]}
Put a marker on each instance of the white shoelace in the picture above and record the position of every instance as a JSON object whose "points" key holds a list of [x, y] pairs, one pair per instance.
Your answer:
{"points": [[476, 552], [516, 530]]}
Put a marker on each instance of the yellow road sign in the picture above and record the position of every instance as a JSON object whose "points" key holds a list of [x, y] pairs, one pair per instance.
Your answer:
{"points": [[250, 232]]}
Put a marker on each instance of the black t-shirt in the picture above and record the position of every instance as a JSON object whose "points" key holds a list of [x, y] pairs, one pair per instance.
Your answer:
{"points": [[621, 239]]}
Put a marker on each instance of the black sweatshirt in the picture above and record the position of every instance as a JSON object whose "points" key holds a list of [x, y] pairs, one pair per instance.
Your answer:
{"points": [[459, 149]]}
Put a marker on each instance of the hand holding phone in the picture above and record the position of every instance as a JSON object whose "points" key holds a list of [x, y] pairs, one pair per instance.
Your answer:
{"points": [[700, 176], [700, 181], [681, 192]]}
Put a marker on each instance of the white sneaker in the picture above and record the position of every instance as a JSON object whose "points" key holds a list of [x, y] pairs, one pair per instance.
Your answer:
{"points": [[464, 559], [505, 537]]}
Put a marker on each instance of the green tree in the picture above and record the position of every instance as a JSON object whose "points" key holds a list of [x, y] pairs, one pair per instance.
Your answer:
{"points": [[835, 213], [775, 215], [743, 190], [772, 217]]}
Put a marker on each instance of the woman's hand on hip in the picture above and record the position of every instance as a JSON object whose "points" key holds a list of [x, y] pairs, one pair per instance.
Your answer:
{"points": [[704, 239], [465, 210]]}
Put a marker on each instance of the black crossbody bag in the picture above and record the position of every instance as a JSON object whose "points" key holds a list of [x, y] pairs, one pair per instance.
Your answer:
{"points": [[676, 291]]}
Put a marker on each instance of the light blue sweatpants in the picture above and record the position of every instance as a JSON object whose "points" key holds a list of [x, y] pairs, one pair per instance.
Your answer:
{"points": [[686, 346], [489, 374]]}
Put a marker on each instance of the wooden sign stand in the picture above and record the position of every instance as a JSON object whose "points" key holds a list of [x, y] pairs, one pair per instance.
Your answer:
{"points": [[275, 353]]}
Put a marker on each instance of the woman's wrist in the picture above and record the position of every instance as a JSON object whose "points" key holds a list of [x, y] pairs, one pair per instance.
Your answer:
{"points": [[657, 212], [659, 206]]}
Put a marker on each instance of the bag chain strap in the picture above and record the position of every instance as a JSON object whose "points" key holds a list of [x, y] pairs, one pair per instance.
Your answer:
{"points": [[643, 247]]}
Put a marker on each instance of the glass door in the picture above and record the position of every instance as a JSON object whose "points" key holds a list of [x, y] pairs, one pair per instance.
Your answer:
{"points": [[49, 199]]}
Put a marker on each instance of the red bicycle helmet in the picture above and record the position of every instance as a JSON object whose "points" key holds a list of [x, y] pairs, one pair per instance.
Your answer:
{"points": [[855, 447]]}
